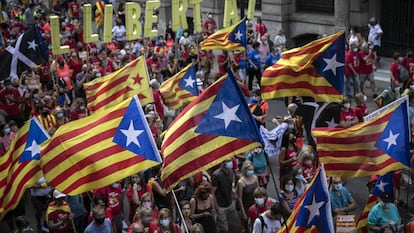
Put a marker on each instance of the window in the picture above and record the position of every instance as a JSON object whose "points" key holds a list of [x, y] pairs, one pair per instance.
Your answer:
{"points": [[316, 6]]}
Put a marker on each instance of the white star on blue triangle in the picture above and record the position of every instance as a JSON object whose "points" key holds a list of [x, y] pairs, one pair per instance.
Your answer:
{"points": [[229, 115], [238, 35], [330, 63], [314, 209], [189, 77], [35, 136], [394, 139], [133, 133], [384, 184]]}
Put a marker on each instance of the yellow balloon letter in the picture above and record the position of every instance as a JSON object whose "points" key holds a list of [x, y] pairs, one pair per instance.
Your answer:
{"points": [[56, 48], [107, 32], [150, 18], [88, 37], [179, 19], [197, 14], [251, 9], [230, 13], [133, 26]]}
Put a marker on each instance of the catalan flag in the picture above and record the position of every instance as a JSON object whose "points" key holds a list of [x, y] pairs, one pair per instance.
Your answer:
{"points": [[312, 213], [214, 127], [368, 148], [230, 38], [315, 70], [19, 167], [180, 89], [384, 184], [120, 85], [362, 222], [99, 12], [99, 150]]}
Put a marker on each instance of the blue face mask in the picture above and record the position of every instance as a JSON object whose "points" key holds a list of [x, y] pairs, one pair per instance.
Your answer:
{"points": [[229, 165], [338, 186], [165, 222], [250, 172], [115, 185], [7, 130]]}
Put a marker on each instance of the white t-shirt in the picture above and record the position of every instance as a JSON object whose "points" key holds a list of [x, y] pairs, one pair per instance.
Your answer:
{"points": [[272, 226], [119, 32], [373, 32]]}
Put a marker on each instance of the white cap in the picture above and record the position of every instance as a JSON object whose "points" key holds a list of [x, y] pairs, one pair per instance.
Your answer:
{"points": [[57, 194]]}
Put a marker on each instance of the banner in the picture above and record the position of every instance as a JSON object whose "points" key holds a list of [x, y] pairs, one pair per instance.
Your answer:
{"points": [[273, 139]]}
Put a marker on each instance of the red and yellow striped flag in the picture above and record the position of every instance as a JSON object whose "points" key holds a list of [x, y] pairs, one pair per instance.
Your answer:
{"points": [[180, 89], [229, 38], [214, 127], [369, 148], [99, 13], [130, 80], [315, 70], [100, 149], [362, 223], [19, 167]]}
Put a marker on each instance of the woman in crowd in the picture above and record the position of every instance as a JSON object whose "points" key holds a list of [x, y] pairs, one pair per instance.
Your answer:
{"points": [[361, 109], [203, 207], [135, 191], [288, 154], [186, 211], [147, 200], [288, 196], [259, 162], [165, 223], [261, 204], [299, 179], [347, 117], [246, 184]]}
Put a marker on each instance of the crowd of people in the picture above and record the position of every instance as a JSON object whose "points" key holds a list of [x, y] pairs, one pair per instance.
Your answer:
{"points": [[230, 197]]}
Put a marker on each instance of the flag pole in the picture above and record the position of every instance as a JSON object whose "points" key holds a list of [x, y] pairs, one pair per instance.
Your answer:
{"points": [[179, 211], [276, 188]]}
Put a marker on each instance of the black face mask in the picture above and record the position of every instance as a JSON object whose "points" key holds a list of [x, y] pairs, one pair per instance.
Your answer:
{"points": [[45, 114], [99, 221]]}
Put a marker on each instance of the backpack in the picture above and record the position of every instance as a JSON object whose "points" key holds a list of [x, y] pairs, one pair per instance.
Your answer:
{"points": [[262, 222], [403, 73]]}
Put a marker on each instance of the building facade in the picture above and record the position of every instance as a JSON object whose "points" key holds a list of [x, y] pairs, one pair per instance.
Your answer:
{"points": [[303, 20]]}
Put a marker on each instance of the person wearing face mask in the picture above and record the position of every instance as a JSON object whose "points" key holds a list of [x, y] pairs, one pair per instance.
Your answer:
{"points": [[288, 196], [46, 119], [185, 39], [203, 207], [100, 223], [10, 98], [399, 73], [78, 110], [351, 70], [361, 108], [261, 204], [112, 195], [259, 108], [59, 215], [375, 34], [409, 89], [144, 216], [209, 25], [246, 184], [366, 68], [258, 158], [64, 72], [299, 180], [288, 157], [306, 162], [347, 117], [165, 223], [135, 191], [384, 216], [147, 200], [224, 185], [270, 221], [7, 137], [60, 117], [341, 200], [119, 32], [186, 211]]}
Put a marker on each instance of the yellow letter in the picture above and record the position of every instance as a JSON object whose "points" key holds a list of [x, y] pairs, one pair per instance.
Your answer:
{"points": [[133, 26], [150, 18], [88, 37], [197, 14], [179, 19], [251, 9], [230, 13], [56, 48], [107, 32]]}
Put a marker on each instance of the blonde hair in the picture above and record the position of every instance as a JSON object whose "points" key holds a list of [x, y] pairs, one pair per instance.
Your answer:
{"points": [[245, 166], [304, 155]]}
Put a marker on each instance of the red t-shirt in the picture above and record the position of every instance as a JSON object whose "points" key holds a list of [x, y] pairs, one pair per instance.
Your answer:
{"points": [[365, 66], [347, 116], [112, 196], [221, 58], [409, 64], [395, 70], [57, 213], [261, 29], [12, 107], [77, 113], [209, 26], [255, 211], [353, 59], [152, 65], [360, 112], [132, 206], [76, 66], [158, 103]]}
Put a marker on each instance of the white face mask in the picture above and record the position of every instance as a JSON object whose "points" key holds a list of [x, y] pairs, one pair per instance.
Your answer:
{"points": [[365, 98], [347, 105], [355, 50], [289, 187], [259, 200], [258, 150], [412, 87]]}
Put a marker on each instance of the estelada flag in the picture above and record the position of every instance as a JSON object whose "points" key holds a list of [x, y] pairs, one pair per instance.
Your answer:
{"points": [[315, 70], [130, 80], [229, 38], [373, 147], [99, 149], [217, 125], [180, 89]]}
